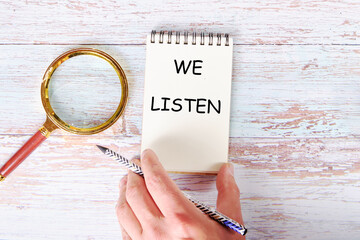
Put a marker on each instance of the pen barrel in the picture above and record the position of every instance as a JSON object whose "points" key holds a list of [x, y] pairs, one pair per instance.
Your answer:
{"points": [[217, 216], [230, 223], [22, 154], [212, 213]]}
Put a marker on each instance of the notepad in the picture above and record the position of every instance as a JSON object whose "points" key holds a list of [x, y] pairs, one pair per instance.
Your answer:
{"points": [[187, 92]]}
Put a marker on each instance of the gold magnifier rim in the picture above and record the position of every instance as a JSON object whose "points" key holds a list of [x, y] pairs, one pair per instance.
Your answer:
{"points": [[45, 91]]}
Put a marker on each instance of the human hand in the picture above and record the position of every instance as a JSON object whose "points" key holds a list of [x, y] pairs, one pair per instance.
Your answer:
{"points": [[153, 207]]}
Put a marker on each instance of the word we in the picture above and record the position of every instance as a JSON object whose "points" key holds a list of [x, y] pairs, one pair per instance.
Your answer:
{"points": [[195, 65]]}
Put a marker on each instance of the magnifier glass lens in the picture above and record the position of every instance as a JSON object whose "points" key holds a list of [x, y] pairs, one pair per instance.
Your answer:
{"points": [[84, 91]]}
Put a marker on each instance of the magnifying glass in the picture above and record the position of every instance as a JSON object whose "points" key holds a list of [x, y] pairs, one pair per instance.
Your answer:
{"points": [[83, 96]]}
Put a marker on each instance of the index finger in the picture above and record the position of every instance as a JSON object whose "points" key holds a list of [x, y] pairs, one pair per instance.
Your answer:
{"points": [[167, 196]]}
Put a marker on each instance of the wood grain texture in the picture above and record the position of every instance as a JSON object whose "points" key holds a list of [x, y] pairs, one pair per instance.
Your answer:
{"points": [[125, 22], [305, 91], [68, 188], [294, 118]]}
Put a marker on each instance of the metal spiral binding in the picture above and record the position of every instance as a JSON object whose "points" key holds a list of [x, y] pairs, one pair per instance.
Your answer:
{"points": [[194, 38], [211, 38], [169, 37], [177, 37], [186, 38], [161, 39], [153, 33], [218, 39]]}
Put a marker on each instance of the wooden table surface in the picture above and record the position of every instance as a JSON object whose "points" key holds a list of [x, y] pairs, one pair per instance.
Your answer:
{"points": [[294, 121]]}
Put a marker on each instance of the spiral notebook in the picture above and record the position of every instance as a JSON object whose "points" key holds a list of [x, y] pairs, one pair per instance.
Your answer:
{"points": [[187, 94]]}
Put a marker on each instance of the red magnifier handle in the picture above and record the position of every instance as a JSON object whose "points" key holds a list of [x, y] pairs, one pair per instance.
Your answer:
{"points": [[21, 154]]}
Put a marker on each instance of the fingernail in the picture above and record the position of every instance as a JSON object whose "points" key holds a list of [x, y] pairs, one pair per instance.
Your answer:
{"points": [[230, 168]]}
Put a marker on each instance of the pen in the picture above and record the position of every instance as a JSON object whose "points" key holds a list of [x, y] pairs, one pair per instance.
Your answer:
{"points": [[211, 212]]}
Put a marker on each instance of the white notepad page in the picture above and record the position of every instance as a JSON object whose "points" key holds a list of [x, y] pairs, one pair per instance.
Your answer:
{"points": [[193, 137]]}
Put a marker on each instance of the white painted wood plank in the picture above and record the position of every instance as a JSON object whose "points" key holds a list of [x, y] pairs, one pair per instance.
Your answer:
{"points": [[126, 22], [290, 188], [293, 122], [303, 91]]}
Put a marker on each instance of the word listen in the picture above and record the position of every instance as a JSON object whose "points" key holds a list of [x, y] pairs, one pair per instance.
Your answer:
{"points": [[199, 105]]}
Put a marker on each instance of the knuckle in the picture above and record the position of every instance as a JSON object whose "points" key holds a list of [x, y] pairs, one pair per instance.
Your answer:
{"points": [[184, 223], [132, 191], [235, 190], [121, 208], [230, 189], [156, 232], [122, 182], [222, 188], [154, 181]]}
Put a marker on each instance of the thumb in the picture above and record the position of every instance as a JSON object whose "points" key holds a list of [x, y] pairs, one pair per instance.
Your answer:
{"points": [[228, 200]]}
